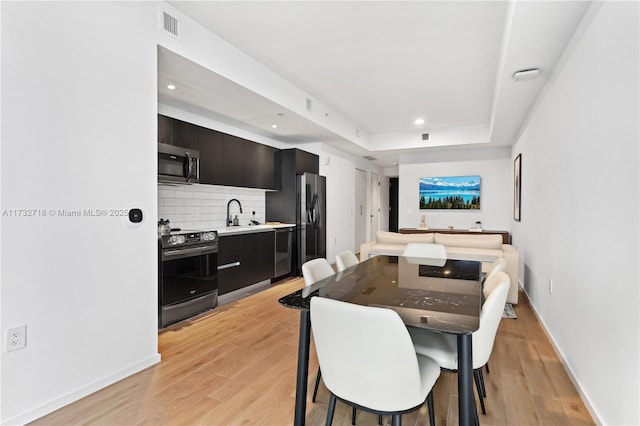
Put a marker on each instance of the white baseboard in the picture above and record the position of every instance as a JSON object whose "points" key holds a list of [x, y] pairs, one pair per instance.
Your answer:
{"points": [[560, 356], [67, 399]]}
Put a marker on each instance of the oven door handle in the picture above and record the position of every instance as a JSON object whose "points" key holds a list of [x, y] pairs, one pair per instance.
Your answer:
{"points": [[228, 265], [186, 252]]}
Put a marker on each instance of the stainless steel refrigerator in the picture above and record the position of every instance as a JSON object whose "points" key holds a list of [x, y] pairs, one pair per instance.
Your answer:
{"points": [[311, 217]]}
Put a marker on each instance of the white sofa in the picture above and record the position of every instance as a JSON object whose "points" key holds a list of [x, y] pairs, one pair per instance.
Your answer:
{"points": [[482, 247]]}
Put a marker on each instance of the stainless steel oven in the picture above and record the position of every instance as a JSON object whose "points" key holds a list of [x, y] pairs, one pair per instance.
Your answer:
{"points": [[187, 275]]}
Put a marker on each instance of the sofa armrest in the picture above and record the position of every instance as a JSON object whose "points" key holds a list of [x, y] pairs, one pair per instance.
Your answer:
{"points": [[365, 249], [513, 261]]}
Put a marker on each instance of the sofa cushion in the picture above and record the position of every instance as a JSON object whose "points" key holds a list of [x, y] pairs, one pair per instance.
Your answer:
{"points": [[384, 237], [470, 253], [387, 249], [481, 241]]}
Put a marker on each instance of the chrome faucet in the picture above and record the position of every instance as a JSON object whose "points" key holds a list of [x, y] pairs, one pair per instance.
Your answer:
{"points": [[229, 220]]}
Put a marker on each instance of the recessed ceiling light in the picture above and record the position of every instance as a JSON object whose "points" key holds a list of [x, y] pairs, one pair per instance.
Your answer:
{"points": [[274, 126], [171, 87], [418, 121]]}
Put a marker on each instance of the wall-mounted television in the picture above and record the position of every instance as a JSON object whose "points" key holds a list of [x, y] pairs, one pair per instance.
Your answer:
{"points": [[450, 192]]}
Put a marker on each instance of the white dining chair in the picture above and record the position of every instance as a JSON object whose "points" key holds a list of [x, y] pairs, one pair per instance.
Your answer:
{"points": [[313, 271], [376, 368], [491, 280], [443, 347], [346, 259], [500, 265]]}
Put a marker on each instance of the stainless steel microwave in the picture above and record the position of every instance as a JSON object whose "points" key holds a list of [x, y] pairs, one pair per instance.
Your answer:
{"points": [[178, 165]]}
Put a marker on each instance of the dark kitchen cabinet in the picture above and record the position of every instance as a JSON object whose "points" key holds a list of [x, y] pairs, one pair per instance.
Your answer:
{"points": [[245, 259], [234, 171], [259, 165], [305, 162], [185, 134], [165, 129], [281, 205], [177, 132], [248, 164], [211, 147], [224, 159]]}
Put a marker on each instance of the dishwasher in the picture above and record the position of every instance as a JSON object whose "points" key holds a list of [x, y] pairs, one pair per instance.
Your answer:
{"points": [[284, 249]]}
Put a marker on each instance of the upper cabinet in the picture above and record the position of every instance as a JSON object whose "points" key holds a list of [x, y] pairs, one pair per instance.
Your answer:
{"points": [[165, 129], [259, 163], [224, 159], [177, 133], [211, 147], [282, 205]]}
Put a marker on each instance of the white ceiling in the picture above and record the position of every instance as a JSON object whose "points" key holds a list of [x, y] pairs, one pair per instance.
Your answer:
{"points": [[380, 65]]}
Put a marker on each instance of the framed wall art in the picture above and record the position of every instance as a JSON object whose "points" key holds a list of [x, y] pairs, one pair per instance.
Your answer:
{"points": [[517, 184], [450, 192]]}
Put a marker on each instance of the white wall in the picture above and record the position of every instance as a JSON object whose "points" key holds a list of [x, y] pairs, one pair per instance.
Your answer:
{"points": [[340, 174], [78, 132], [495, 194], [580, 210]]}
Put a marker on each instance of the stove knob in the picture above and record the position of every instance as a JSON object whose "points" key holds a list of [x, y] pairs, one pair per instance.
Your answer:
{"points": [[176, 239]]}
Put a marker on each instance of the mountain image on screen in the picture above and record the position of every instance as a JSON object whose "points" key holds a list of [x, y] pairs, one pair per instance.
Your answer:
{"points": [[450, 192]]}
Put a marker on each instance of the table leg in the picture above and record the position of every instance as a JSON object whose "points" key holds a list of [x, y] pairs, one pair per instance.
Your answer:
{"points": [[303, 368], [465, 380]]}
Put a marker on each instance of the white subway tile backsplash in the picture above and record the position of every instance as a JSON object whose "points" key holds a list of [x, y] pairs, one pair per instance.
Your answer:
{"points": [[165, 193], [184, 194], [200, 195], [170, 201], [205, 206], [164, 211]]}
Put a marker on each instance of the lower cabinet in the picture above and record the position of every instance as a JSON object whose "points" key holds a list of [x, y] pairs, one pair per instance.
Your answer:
{"points": [[245, 259]]}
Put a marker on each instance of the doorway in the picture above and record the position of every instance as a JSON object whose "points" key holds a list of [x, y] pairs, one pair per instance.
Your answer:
{"points": [[375, 205], [360, 215], [393, 204]]}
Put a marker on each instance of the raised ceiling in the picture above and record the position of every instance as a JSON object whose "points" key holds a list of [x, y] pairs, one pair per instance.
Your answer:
{"points": [[380, 65]]}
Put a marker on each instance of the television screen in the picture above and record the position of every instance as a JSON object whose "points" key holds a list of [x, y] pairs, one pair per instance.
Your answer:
{"points": [[451, 192]]}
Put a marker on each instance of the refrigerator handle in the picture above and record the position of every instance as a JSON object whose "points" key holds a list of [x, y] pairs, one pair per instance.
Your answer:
{"points": [[316, 209]]}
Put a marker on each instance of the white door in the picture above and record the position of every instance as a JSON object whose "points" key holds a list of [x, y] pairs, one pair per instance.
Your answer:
{"points": [[360, 209], [374, 215]]}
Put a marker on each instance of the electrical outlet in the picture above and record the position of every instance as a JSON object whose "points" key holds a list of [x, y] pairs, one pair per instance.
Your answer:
{"points": [[550, 285], [16, 338]]}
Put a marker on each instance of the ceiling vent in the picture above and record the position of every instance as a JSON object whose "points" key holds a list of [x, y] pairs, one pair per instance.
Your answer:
{"points": [[523, 75], [425, 136], [170, 24], [370, 158]]}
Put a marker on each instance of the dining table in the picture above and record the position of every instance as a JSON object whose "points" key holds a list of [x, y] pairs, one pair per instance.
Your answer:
{"points": [[436, 294]]}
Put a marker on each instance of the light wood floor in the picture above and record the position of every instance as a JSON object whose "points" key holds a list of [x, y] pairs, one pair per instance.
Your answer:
{"points": [[236, 366]]}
